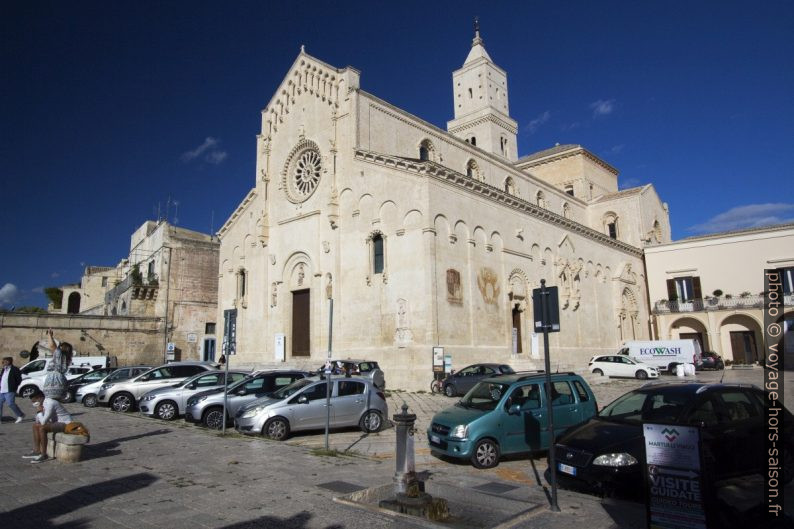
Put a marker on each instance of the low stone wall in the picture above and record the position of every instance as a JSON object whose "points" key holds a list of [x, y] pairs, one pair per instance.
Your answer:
{"points": [[130, 340]]}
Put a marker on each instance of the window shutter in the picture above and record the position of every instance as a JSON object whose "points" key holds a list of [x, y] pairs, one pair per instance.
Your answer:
{"points": [[696, 287], [671, 294]]}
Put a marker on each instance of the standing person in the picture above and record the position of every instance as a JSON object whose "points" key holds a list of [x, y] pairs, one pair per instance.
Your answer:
{"points": [[51, 417], [9, 382], [55, 380]]}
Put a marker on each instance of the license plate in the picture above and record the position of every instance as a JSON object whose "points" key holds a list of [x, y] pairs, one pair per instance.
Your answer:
{"points": [[435, 439], [567, 469]]}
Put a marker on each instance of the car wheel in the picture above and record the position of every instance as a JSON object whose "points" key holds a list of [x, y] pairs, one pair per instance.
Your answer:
{"points": [[69, 397], [123, 402], [89, 401], [371, 421], [671, 369], [720, 366], [166, 410], [449, 390], [598, 372], [486, 454], [27, 391], [277, 429], [641, 374], [213, 418]]}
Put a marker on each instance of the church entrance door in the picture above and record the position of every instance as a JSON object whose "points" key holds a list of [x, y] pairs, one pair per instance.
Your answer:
{"points": [[300, 323], [517, 330]]}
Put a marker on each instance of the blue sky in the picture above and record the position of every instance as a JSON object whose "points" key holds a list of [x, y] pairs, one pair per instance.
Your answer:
{"points": [[109, 108]]}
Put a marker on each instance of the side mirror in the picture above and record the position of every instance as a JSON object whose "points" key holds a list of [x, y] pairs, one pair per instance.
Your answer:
{"points": [[303, 399], [192, 386], [241, 392], [514, 409]]}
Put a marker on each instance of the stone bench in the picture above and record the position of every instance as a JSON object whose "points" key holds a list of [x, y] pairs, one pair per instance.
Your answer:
{"points": [[65, 447]]}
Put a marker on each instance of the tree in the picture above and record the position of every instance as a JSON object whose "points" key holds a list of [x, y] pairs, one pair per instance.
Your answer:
{"points": [[54, 294], [137, 277]]}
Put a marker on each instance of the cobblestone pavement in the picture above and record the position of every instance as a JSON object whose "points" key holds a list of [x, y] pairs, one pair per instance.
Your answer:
{"points": [[144, 473]]}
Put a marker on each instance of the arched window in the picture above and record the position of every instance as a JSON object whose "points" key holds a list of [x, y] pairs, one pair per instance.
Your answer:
{"points": [[569, 189], [471, 94], [73, 303], [657, 231], [242, 285], [377, 254], [426, 150], [510, 186], [610, 221], [473, 141], [540, 199]]}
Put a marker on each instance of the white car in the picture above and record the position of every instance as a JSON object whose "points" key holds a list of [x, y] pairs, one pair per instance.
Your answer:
{"points": [[621, 366]]}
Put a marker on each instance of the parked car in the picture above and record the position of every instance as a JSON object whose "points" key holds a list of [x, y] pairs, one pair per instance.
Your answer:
{"points": [[458, 383], [711, 360], [355, 401], [169, 402], [32, 384], [88, 394], [206, 407], [364, 368], [663, 354], [607, 454], [508, 414], [621, 366], [122, 396], [83, 380]]}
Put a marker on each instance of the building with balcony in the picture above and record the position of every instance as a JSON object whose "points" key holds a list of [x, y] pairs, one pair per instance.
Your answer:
{"points": [[170, 273], [711, 288]]}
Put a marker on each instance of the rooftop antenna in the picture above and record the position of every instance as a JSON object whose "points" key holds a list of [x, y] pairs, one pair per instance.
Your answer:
{"points": [[212, 224], [176, 212], [158, 212], [168, 207]]}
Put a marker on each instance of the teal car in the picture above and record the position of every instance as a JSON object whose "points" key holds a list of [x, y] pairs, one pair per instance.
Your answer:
{"points": [[508, 414]]}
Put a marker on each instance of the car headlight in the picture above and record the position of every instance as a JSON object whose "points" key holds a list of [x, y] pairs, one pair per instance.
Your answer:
{"points": [[148, 397], [459, 432], [106, 386], [253, 412], [615, 460]]}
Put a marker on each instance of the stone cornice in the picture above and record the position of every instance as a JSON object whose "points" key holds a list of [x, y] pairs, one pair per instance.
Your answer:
{"points": [[510, 127], [237, 212], [566, 154], [494, 194]]}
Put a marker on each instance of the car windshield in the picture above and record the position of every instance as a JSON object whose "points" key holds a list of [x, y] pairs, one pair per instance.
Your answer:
{"points": [[484, 396], [293, 388], [647, 405]]}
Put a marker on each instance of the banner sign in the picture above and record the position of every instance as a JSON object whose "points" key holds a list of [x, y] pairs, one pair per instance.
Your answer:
{"points": [[674, 484], [229, 332]]}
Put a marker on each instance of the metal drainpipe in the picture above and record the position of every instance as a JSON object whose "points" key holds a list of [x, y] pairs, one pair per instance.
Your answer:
{"points": [[167, 288]]}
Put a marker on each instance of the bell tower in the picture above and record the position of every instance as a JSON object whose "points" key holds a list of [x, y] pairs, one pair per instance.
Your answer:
{"points": [[482, 114]]}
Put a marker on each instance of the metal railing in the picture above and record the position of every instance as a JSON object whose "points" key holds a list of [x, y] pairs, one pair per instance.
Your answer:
{"points": [[710, 304]]}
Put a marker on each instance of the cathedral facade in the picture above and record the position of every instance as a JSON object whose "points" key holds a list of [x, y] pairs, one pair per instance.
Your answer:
{"points": [[424, 237]]}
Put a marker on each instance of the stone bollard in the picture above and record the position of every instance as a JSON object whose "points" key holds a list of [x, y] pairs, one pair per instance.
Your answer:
{"points": [[64, 447]]}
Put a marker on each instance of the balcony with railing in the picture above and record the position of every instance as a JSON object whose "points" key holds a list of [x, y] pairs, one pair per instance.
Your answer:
{"points": [[716, 303]]}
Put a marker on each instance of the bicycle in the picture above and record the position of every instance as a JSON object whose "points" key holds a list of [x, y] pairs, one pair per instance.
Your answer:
{"points": [[437, 385]]}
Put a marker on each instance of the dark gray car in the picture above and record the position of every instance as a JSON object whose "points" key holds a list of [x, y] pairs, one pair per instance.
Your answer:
{"points": [[460, 382], [207, 407]]}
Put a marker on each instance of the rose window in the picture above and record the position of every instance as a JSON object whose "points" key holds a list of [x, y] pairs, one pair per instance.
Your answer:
{"points": [[303, 172]]}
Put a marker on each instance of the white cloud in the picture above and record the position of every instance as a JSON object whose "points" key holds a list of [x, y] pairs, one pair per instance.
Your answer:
{"points": [[8, 294], [616, 149], [602, 107], [54, 275], [538, 121], [38, 290], [208, 151], [749, 216]]}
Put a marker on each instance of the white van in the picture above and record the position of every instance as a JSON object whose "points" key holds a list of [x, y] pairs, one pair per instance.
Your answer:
{"points": [[663, 354], [33, 373]]}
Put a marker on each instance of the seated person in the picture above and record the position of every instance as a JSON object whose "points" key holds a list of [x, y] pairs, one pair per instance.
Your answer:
{"points": [[51, 417]]}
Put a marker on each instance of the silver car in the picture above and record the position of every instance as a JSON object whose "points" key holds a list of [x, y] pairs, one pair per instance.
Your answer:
{"points": [[88, 394], [168, 403], [207, 407], [355, 401], [122, 396]]}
